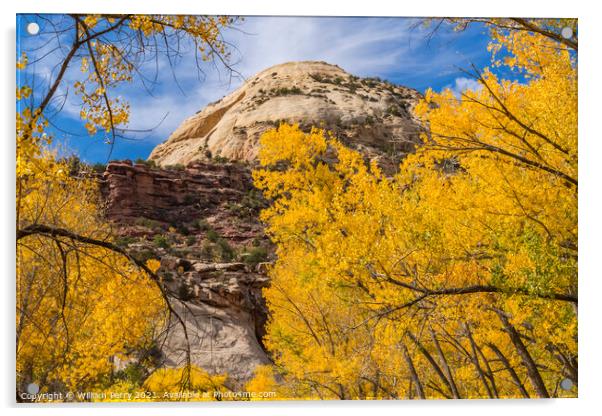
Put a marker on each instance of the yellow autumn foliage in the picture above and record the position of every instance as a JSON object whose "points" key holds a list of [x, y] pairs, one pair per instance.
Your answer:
{"points": [[78, 305], [455, 278], [108, 64], [83, 303], [184, 384]]}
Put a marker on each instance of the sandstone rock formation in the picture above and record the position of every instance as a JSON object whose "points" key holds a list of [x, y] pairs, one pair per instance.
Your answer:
{"points": [[224, 314], [216, 193], [367, 113], [199, 221]]}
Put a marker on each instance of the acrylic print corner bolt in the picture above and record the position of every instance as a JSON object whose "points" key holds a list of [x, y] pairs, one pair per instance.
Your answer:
{"points": [[386, 211]]}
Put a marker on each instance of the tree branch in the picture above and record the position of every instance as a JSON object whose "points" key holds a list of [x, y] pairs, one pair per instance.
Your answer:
{"points": [[54, 232]]}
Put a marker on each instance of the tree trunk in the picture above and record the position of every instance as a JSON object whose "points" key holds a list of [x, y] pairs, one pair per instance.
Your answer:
{"points": [[432, 361], [413, 374], [510, 370], [448, 372], [528, 362], [475, 360]]}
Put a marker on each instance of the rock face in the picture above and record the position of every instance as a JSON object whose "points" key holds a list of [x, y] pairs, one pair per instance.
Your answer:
{"points": [[366, 113], [206, 191], [201, 222], [224, 314]]}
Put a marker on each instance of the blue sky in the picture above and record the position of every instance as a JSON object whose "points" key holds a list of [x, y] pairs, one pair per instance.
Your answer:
{"points": [[395, 49]]}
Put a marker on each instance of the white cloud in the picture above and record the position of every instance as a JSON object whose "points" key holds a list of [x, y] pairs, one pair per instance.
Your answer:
{"points": [[163, 113], [363, 46], [463, 84]]}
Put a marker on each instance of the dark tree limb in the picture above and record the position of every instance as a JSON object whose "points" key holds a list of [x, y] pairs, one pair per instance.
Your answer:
{"points": [[474, 357], [511, 371], [433, 363], [413, 374], [573, 44], [54, 233], [523, 352], [473, 289], [445, 365]]}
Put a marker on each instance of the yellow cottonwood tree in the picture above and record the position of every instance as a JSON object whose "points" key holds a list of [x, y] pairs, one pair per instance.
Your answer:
{"points": [[80, 304], [82, 301], [456, 278]]}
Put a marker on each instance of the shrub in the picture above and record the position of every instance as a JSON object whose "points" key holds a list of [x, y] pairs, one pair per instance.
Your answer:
{"points": [[233, 207], [254, 200], [394, 111], [124, 241], [286, 91], [221, 159], [99, 167], [177, 166], [148, 223], [182, 229], [317, 77], [203, 225], [184, 292], [134, 373], [190, 199], [352, 86], [256, 255], [161, 241], [207, 251], [149, 163], [144, 255], [227, 253], [212, 235]]}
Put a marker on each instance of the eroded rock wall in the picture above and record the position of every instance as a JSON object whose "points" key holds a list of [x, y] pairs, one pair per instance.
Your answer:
{"points": [[200, 221]]}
